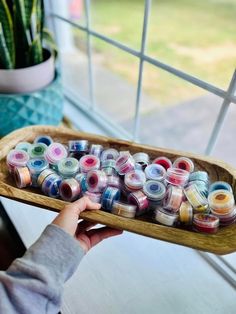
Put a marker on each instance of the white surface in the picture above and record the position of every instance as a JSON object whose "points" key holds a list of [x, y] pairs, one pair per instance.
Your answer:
{"points": [[131, 274]]}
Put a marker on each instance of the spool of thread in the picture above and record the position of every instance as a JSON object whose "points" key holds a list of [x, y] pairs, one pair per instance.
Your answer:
{"points": [[96, 150], [94, 197], [173, 198], [184, 163], [164, 217], [142, 159], [68, 167], [196, 198], [22, 177], [155, 172], [109, 195], [78, 146], [154, 190], [199, 176], [88, 163], [220, 185], [135, 179], [16, 158], [37, 150], [109, 153], [81, 178], [163, 161], [124, 209], [43, 175], [96, 181], [221, 201], [124, 164], [114, 181], [45, 139], [139, 199], [202, 187], [55, 153], [69, 190], [23, 146], [226, 219], [186, 213], [206, 223], [176, 176], [109, 167], [36, 166], [51, 184]]}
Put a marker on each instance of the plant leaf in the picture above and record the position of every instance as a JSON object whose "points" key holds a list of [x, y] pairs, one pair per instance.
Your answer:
{"points": [[5, 59], [49, 42], [36, 51]]}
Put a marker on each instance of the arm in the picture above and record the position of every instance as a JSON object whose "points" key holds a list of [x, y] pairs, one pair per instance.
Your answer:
{"points": [[36, 280]]}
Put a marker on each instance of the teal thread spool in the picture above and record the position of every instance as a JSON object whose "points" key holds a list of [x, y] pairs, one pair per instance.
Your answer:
{"points": [[68, 167]]}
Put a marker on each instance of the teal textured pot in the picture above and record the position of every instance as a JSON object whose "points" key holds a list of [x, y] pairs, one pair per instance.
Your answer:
{"points": [[44, 107]]}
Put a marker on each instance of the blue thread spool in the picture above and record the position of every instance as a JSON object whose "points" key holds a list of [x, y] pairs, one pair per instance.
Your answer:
{"points": [[68, 167], [43, 175], [81, 178], [23, 146], [199, 176], [36, 166], [155, 172], [154, 190], [96, 150], [220, 185], [45, 139], [109, 195], [37, 150], [78, 146], [51, 184], [201, 185], [109, 153]]}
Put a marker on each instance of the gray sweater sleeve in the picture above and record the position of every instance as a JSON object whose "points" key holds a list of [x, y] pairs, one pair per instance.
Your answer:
{"points": [[34, 283]]}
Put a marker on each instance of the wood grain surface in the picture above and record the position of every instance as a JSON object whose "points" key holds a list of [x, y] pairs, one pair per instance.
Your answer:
{"points": [[223, 242]]}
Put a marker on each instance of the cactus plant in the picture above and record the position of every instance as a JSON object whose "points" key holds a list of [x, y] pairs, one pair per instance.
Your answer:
{"points": [[22, 34]]}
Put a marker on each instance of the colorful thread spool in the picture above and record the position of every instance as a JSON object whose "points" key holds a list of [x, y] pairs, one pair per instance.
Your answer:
{"points": [[139, 199], [96, 181], [202, 187], [135, 179], [88, 163], [55, 153], [51, 184], [124, 209], [23, 146], [173, 198], [154, 190], [78, 146], [45, 139], [176, 176], [109, 195], [226, 219], [186, 213], [163, 161], [36, 166], [141, 159], [109, 167], [22, 177], [94, 197], [96, 150], [69, 190], [199, 176], [109, 153], [114, 181], [124, 164], [155, 172], [43, 175], [37, 150], [68, 167], [184, 163], [221, 201], [16, 158], [206, 223], [196, 198], [164, 217], [81, 178], [220, 185]]}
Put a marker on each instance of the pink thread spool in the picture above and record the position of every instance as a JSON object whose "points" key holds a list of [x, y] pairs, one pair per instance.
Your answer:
{"points": [[69, 190], [184, 163], [88, 163], [96, 181], [94, 197], [125, 163], [173, 199], [205, 223], [163, 161], [134, 180], [114, 181], [55, 153], [16, 158], [139, 199], [176, 176]]}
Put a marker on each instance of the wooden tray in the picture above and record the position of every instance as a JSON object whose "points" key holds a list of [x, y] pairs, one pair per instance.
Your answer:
{"points": [[223, 242]]}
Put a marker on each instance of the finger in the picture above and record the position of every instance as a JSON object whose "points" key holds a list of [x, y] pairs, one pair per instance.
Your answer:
{"points": [[82, 204], [97, 235], [84, 226]]}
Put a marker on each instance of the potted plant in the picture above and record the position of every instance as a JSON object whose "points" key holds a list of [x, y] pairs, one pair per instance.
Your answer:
{"points": [[30, 90]]}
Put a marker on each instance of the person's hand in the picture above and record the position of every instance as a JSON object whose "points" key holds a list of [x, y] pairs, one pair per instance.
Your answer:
{"points": [[68, 220]]}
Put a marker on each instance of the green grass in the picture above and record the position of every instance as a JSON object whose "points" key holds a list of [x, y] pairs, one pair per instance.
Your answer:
{"points": [[196, 36]]}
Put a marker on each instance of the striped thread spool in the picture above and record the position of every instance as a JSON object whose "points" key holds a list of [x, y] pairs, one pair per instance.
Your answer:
{"points": [[196, 198], [109, 195], [173, 198], [96, 150], [51, 184]]}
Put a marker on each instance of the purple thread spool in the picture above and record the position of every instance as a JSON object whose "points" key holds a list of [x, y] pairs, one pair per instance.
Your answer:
{"points": [[114, 181], [55, 153], [139, 199], [94, 197], [16, 158], [134, 180], [109, 153], [155, 172], [96, 150]]}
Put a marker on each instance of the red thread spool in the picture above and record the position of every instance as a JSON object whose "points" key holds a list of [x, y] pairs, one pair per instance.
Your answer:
{"points": [[163, 161], [176, 176]]}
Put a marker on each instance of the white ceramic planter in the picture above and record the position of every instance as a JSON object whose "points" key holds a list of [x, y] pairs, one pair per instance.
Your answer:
{"points": [[27, 80]]}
